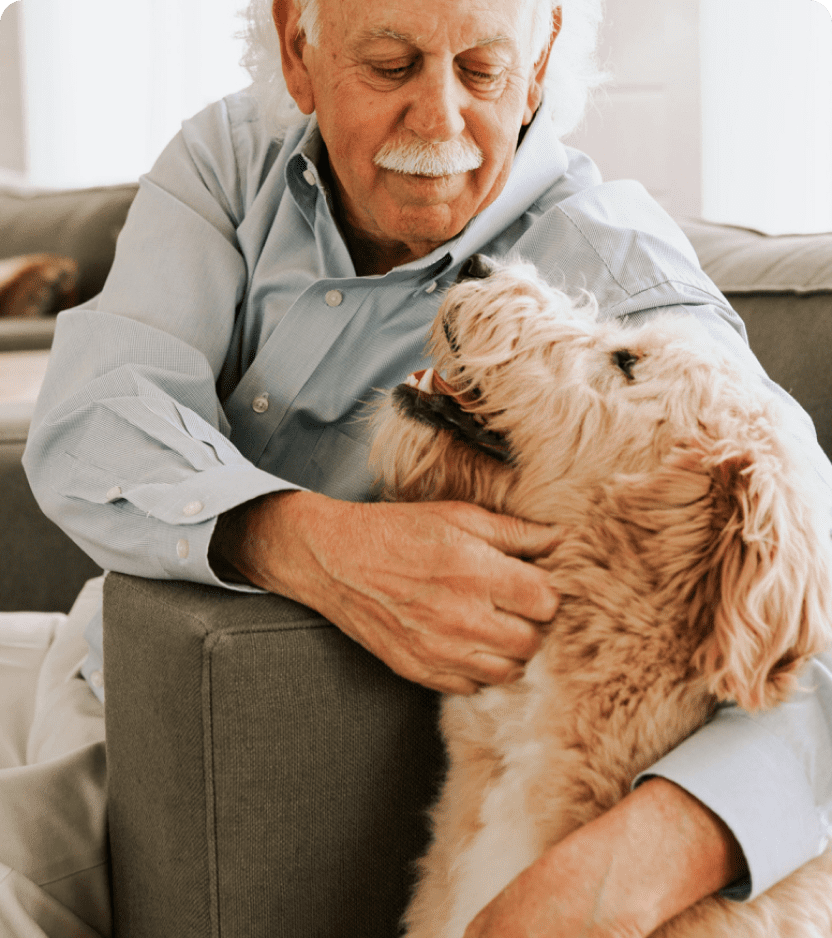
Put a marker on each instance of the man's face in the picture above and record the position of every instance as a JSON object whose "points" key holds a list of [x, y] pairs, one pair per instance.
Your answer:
{"points": [[393, 74]]}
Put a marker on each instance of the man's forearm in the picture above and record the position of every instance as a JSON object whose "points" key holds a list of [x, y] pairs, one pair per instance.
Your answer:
{"points": [[231, 540], [625, 873], [670, 852]]}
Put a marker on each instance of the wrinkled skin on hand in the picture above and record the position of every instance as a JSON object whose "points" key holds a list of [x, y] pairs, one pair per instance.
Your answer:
{"points": [[440, 591]]}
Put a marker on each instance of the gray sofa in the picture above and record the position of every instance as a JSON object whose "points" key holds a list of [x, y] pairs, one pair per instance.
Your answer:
{"points": [[42, 569], [268, 776]]}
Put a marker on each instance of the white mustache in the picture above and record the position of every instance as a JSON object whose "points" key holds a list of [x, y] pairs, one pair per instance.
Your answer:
{"points": [[420, 158]]}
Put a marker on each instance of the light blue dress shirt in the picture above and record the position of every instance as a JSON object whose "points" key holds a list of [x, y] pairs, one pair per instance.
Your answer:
{"points": [[233, 352]]}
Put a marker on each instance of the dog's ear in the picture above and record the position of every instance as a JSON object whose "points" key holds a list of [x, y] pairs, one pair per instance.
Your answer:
{"points": [[767, 587]]}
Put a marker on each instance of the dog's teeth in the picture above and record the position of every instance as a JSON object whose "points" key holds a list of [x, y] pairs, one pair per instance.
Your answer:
{"points": [[426, 382], [421, 380]]}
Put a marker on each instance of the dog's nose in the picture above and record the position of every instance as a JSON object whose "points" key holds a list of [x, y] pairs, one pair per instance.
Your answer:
{"points": [[477, 267]]}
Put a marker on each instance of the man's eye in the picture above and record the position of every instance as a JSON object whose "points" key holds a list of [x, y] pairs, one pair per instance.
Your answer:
{"points": [[399, 71], [481, 78]]}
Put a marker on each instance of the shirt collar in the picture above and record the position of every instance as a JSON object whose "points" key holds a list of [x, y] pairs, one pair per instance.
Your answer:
{"points": [[539, 161]]}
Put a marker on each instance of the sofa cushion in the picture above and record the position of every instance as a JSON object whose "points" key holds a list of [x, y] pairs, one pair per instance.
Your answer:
{"points": [[740, 260], [268, 777], [82, 224]]}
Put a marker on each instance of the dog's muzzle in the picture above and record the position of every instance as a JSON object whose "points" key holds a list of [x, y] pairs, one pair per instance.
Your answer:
{"points": [[425, 396]]}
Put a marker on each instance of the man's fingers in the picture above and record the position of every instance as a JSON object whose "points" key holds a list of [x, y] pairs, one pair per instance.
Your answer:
{"points": [[488, 668], [515, 587], [452, 684], [481, 669], [511, 637], [524, 590], [512, 536]]}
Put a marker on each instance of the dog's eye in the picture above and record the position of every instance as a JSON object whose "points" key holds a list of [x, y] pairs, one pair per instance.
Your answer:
{"points": [[625, 360]]}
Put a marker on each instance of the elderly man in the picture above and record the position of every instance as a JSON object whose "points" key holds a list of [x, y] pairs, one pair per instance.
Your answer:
{"points": [[199, 420]]}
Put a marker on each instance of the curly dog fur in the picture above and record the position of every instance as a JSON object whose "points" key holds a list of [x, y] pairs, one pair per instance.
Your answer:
{"points": [[693, 564]]}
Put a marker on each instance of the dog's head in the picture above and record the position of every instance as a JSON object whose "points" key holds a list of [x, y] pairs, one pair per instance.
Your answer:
{"points": [[537, 408]]}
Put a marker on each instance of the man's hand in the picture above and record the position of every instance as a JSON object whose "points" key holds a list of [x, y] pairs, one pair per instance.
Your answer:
{"points": [[622, 875], [437, 590]]}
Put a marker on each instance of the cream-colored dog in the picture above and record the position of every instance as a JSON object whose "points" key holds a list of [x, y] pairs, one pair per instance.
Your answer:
{"points": [[694, 567]]}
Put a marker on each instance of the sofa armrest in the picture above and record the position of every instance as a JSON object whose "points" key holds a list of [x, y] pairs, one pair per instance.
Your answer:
{"points": [[267, 775]]}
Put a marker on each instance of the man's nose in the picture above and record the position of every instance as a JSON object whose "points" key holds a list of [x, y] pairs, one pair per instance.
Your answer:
{"points": [[435, 110]]}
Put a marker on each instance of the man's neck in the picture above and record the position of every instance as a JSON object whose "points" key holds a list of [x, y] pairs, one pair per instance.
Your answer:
{"points": [[370, 256]]}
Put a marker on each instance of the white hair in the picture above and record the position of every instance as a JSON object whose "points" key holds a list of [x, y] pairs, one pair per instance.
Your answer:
{"points": [[572, 73]]}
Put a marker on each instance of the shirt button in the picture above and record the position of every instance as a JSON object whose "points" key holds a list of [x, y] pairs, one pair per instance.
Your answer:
{"points": [[114, 493], [334, 298], [192, 508], [309, 176], [183, 548], [432, 287], [97, 679], [260, 404]]}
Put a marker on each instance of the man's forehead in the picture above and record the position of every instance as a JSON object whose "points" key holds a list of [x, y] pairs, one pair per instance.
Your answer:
{"points": [[374, 33], [420, 24]]}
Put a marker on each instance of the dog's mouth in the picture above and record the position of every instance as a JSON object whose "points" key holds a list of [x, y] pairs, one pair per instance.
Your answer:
{"points": [[426, 396]]}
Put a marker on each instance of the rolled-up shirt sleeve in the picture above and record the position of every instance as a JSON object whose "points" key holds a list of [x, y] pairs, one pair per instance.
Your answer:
{"points": [[129, 447], [768, 776], [136, 465]]}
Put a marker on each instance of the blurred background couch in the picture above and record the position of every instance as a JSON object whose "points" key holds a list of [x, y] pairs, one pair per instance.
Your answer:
{"points": [[55, 249], [267, 776]]}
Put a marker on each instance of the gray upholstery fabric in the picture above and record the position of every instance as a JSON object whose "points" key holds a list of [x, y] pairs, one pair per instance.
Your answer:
{"points": [[782, 289], [267, 775], [80, 223], [740, 260], [42, 570]]}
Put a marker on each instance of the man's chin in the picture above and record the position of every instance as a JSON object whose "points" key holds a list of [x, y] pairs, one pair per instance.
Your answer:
{"points": [[423, 230]]}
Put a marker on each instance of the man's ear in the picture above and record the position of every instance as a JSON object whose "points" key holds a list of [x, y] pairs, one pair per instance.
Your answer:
{"points": [[286, 18], [536, 85]]}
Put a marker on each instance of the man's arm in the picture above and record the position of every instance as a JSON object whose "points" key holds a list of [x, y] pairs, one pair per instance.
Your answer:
{"points": [[623, 875]]}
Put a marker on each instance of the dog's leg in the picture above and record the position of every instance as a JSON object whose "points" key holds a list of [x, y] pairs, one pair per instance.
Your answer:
{"points": [[456, 822], [478, 822], [505, 845]]}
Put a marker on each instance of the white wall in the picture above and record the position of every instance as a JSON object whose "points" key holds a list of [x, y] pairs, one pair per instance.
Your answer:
{"points": [[721, 108], [646, 124], [108, 82], [767, 114]]}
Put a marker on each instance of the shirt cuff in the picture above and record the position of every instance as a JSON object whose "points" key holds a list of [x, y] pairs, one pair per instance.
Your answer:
{"points": [[190, 513], [754, 783]]}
